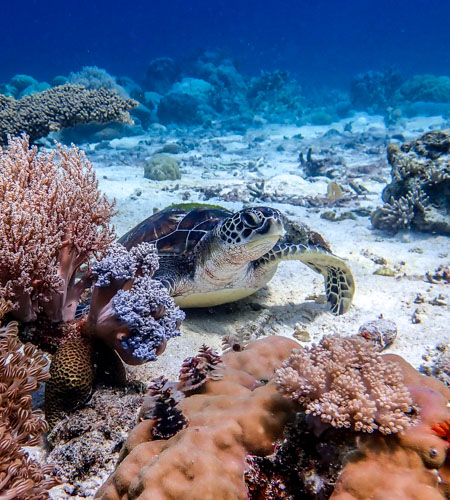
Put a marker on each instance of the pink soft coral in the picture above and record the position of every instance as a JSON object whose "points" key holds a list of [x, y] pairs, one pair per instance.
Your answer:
{"points": [[53, 221]]}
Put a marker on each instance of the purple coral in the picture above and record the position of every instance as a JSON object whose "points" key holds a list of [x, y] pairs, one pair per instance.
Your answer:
{"points": [[130, 311]]}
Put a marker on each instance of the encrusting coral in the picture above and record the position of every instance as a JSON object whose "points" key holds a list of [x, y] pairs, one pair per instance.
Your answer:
{"points": [[239, 425], [22, 370], [418, 195], [61, 107], [54, 220]]}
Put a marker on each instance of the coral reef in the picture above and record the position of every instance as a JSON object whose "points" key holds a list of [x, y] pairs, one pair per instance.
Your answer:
{"points": [[418, 196], [22, 370], [94, 78], [233, 416], [429, 88], [60, 107], [162, 167], [347, 384], [130, 314], [54, 220], [235, 421], [375, 90]]}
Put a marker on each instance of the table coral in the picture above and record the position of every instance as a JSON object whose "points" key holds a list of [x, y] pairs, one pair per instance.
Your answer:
{"points": [[61, 107]]}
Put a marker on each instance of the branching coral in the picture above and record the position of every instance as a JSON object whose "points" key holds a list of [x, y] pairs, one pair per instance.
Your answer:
{"points": [[61, 107], [53, 221], [400, 214], [131, 312], [22, 370], [418, 196], [347, 383]]}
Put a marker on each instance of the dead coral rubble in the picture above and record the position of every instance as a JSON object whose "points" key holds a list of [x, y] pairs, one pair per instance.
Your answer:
{"points": [[418, 196], [61, 107], [22, 370]]}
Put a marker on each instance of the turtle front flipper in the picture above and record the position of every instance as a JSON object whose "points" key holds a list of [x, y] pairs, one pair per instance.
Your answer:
{"points": [[339, 281]]}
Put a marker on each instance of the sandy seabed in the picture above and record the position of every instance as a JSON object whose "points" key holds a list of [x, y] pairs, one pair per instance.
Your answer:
{"points": [[219, 169]]}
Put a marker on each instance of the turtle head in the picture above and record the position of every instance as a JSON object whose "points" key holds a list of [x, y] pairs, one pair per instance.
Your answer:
{"points": [[251, 232]]}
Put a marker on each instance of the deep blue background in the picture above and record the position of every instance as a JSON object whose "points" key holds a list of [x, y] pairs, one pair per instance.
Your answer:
{"points": [[319, 41]]}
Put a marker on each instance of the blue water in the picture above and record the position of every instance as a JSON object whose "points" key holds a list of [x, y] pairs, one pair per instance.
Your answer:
{"points": [[321, 42]]}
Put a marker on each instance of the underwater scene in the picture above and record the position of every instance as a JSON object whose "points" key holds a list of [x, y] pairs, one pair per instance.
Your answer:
{"points": [[224, 250]]}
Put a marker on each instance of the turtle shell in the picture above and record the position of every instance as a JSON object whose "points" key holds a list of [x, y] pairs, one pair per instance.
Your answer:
{"points": [[175, 230]]}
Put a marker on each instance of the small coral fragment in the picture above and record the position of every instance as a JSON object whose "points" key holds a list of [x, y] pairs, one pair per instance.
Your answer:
{"points": [[196, 370]]}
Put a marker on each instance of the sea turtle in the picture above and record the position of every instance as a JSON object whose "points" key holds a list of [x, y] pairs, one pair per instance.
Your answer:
{"points": [[210, 256]]}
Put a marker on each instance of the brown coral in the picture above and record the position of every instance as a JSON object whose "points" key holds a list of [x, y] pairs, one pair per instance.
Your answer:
{"points": [[348, 384], [61, 107], [72, 375], [53, 221], [234, 423], [417, 196], [22, 369], [234, 416]]}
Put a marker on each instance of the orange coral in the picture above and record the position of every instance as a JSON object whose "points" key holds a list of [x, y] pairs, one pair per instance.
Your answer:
{"points": [[53, 221], [442, 429]]}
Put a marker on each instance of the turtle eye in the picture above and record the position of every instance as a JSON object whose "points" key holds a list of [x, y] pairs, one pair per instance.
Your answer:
{"points": [[250, 219]]}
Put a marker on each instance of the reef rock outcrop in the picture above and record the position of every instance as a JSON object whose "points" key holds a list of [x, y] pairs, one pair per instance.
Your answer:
{"points": [[418, 196]]}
